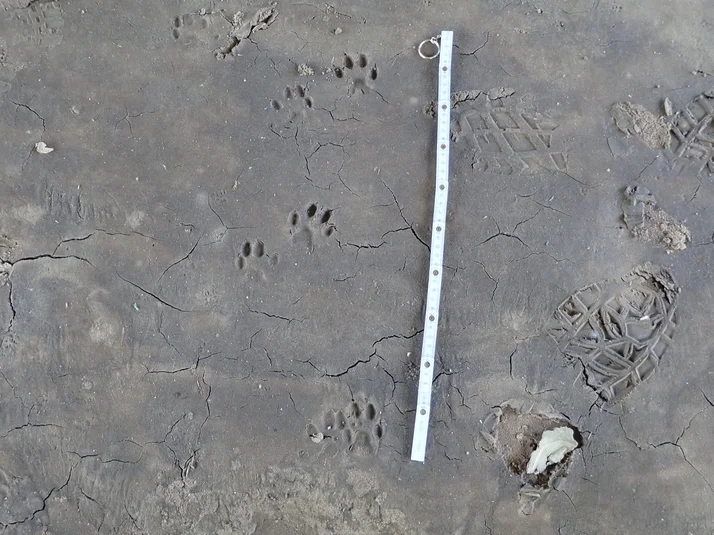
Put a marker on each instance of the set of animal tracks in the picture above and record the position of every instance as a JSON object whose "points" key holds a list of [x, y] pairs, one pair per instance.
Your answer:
{"points": [[306, 227], [353, 75], [357, 428]]}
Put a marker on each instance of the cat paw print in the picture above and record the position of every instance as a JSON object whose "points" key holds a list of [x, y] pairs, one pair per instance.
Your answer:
{"points": [[295, 102], [312, 221], [359, 74], [357, 428], [252, 259], [191, 29]]}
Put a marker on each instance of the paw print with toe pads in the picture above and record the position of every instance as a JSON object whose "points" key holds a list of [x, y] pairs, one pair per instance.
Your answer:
{"points": [[359, 74], [312, 221], [191, 29], [294, 102], [357, 428], [251, 258]]}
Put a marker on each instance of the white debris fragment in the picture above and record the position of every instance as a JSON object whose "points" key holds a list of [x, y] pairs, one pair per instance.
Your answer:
{"points": [[305, 70], [668, 107], [317, 437], [42, 148], [551, 449]]}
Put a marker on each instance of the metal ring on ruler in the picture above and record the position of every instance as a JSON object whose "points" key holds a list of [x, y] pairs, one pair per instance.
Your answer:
{"points": [[433, 41]]}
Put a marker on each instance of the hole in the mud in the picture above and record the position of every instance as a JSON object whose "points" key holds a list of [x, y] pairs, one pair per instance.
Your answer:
{"points": [[355, 409], [371, 412], [308, 103], [177, 22], [275, 105], [329, 230], [379, 431], [373, 73], [515, 430], [348, 62], [362, 61], [294, 219], [175, 33], [259, 249], [247, 249], [288, 93], [338, 72], [326, 216], [311, 210], [300, 91]]}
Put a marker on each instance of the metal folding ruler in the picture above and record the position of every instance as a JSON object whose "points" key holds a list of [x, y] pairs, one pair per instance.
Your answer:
{"points": [[443, 48]]}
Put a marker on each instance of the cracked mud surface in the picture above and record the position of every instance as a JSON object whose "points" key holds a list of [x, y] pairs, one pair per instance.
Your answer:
{"points": [[211, 290]]}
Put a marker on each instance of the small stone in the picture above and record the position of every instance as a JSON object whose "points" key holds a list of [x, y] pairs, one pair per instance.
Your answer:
{"points": [[337, 31], [317, 437]]}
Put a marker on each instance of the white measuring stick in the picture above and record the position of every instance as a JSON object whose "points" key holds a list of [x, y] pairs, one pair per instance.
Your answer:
{"points": [[436, 259]]}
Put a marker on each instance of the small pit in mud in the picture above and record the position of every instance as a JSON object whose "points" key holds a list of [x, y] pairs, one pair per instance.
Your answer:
{"points": [[513, 431]]}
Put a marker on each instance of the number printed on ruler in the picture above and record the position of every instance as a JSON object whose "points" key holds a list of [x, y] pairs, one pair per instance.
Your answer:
{"points": [[436, 259]]}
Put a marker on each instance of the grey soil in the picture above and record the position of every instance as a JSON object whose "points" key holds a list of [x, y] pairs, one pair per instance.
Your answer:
{"points": [[212, 289]]}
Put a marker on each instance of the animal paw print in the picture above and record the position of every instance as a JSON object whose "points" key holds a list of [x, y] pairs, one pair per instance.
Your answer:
{"points": [[356, 428], [190, 27], [295, 103], [313, 219], [360, 75], [252, 255]]}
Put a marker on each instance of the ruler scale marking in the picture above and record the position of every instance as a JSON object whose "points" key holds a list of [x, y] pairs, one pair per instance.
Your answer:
{"points": [[438, 232]]}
